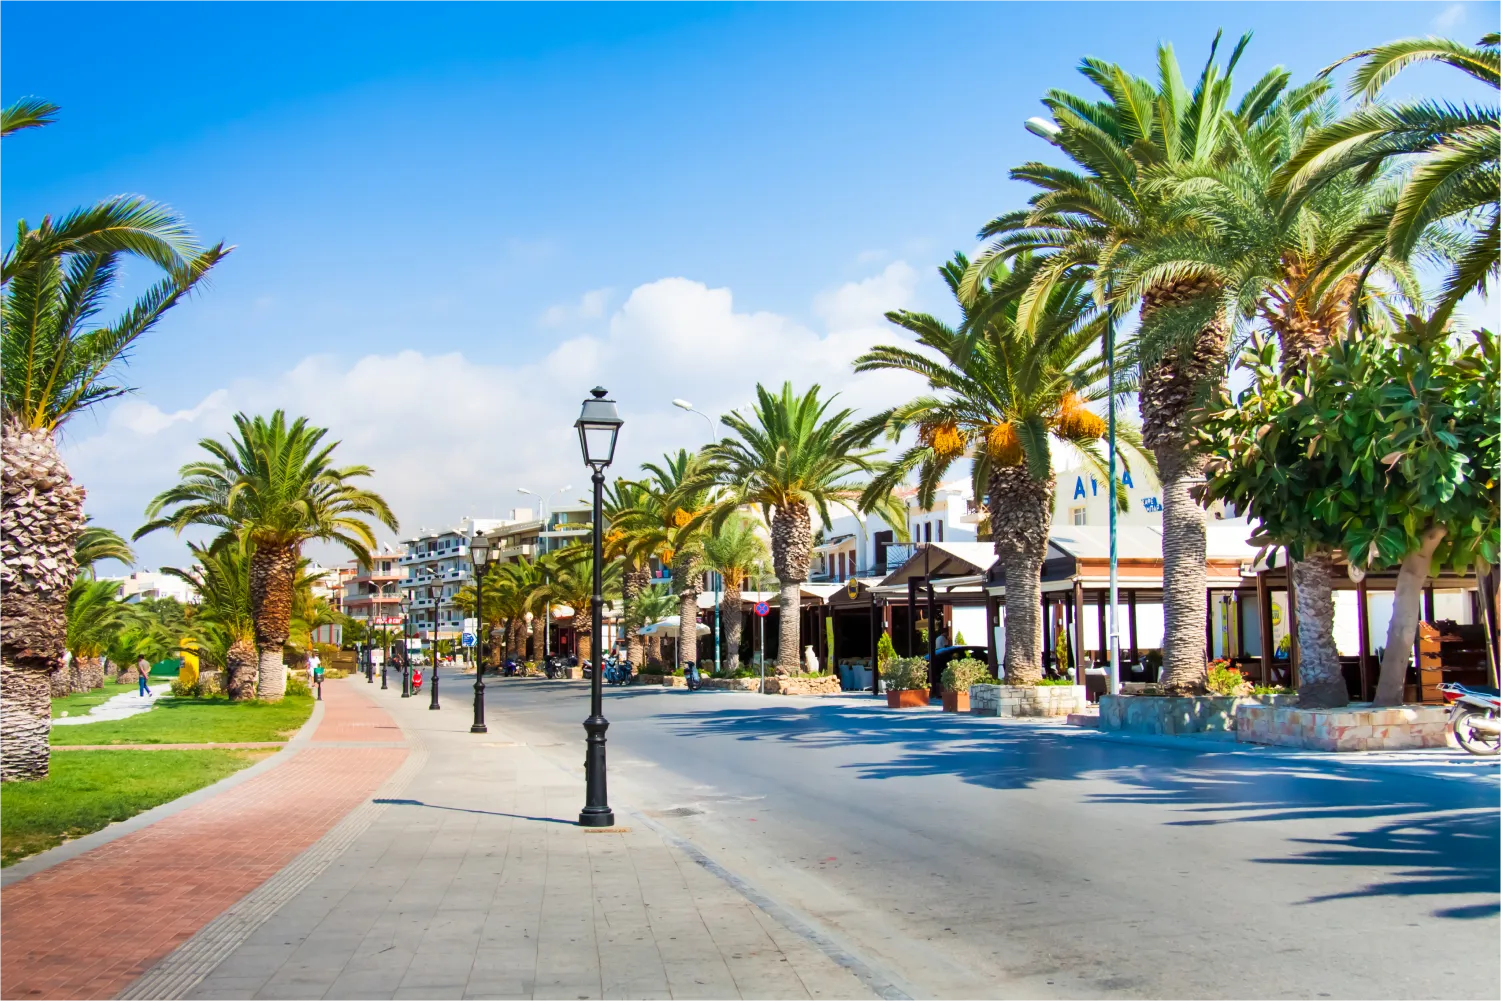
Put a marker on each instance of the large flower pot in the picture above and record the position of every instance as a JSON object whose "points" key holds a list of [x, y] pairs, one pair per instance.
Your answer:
{"points": [[912, 698], [956, 702]]}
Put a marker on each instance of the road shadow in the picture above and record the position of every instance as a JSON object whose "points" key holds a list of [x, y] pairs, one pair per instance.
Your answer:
{"points": [[1439, 836]]}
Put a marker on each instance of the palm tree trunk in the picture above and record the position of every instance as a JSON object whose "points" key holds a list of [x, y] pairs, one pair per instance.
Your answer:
{"points": [[1172, 390], [654, 649], [685, 570], [633, 583], [730, 620], [1406, 609], [90, 673], [41, 512], [583, 632], [272, 571], [240, 670], [1321, 684], [791, 550], [1021, 511]]}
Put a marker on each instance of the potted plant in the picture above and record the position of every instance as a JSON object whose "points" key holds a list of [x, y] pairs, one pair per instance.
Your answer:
{"points": [[957, 678], [906, 682]]}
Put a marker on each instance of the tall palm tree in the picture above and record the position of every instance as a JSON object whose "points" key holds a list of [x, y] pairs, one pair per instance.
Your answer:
{"points": [[733, 551], [570, 581], [633, 547], [792, 455], [1001, 392], [1301, 268], [1092, 218], [273, 484], [670, 521], [221, 576], [1454, 154], [652, 605], [58, 359]]}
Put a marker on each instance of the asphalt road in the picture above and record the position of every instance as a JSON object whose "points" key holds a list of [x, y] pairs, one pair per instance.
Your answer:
{"points": [[973, 858]]}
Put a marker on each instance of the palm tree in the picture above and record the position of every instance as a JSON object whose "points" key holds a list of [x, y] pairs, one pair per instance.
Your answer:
{"points": [[670, 521], [1001, 392], [1453, 152], [635, 548], [95, 544], [652, 605], [790, 455], [274, 485], [95, 617], [570, 581], [1092, 219], [55, 362], [221, 576], [734, 550], [1299, 266]]}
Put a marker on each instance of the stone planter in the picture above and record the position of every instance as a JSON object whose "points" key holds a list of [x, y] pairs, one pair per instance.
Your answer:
{"points": [[1026, 700], [911, 698], [673, 681], [955, 702], [647, 679], [1187, 714], [823, 684], [1356, 727], [734, 684]]}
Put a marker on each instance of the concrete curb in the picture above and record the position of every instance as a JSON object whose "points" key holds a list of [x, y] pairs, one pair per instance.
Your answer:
{"points": [[72, 849]]}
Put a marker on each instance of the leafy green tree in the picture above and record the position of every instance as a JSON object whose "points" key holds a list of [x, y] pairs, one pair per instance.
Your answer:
{"points": [[631, 545], [570, 581], [95, 617], [224, 619], [1388, 448], [734, 551], [275, 485], [789, 456], [1002, 391]]}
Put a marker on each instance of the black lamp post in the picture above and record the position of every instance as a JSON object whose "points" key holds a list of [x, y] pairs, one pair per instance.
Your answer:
{"points": [[433, 703], [406, 646], [598, 426], [369, 640], [479, 554]]}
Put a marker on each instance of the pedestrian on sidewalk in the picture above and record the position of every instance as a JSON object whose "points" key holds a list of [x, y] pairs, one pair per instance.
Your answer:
{"points": [[143, 671]]}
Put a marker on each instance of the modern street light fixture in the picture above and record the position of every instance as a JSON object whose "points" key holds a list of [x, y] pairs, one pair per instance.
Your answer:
{"points": [[718, 623], [599, 427], [369, 641], [479, 554]]}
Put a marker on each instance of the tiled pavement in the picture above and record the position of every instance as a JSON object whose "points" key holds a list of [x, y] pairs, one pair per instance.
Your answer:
{"points": [[88, 926]]}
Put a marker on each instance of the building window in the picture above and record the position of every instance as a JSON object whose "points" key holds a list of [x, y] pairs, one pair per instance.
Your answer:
{"points": [[927, 531], [940, 531], [1076, 515]]}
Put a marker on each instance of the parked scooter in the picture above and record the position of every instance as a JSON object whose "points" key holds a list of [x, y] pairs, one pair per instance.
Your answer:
{"points": [[1474, 717], [691, 675], [617, 671]]}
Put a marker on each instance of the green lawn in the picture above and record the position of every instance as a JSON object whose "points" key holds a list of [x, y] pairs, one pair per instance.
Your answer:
{"points": [[195, 721], [79, 703], [87, 790]]}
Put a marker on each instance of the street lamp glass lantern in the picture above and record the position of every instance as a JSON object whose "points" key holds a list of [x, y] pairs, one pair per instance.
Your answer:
{"points": [[598, 426], [479, 550]]}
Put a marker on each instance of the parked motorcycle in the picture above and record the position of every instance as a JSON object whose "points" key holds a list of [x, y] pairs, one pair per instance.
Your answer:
{"points": [[1474, 717], [617, 671], [691, 675]]}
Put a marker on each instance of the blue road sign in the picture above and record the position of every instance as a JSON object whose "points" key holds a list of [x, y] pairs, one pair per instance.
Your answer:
{"points": [[762, 608], [467, 639]]}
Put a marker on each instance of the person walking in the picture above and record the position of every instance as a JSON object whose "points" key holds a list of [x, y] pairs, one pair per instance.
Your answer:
{"points": [[143, 671]]}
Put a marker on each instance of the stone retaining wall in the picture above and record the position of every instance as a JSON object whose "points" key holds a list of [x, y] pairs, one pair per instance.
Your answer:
{"points": [[824, 684], [1025, 700], [1186, 714], [734, 684], [1357, 727]]}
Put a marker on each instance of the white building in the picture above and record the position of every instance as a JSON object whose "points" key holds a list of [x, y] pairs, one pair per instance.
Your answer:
{"points": [[144, 585], [436, 565], [867, 546]]}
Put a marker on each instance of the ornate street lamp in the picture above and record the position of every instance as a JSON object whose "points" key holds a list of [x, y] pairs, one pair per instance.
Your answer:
{"points": [[598, 426], [406, 646], [479, 554], [433, 703]]}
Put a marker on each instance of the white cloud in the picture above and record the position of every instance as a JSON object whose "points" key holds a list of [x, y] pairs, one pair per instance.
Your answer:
{"points": [[591, 306], [1449, 18], [451, 436]]}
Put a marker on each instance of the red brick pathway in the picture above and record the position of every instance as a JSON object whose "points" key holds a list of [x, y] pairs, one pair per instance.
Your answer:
{"points": [[87, 927]]}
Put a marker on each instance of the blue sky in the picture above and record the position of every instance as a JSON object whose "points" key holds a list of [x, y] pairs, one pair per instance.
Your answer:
{"points": [[453, 219]]}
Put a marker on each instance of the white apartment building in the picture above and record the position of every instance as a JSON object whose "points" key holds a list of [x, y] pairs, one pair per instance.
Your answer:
{"points": [[143, 585], [435, 566], [867, 546]]}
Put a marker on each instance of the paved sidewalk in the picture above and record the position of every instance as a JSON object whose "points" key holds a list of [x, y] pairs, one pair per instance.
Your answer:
{"points": [[121, 706], [476, 883], [88, 926]]}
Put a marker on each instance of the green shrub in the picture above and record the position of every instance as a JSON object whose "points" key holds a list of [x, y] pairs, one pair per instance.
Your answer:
{"points": [[185, 689], [297, 685], [1227, 681], [1271, 690], [905, 674], [963, 672], [885, 652], [1056, 681]]}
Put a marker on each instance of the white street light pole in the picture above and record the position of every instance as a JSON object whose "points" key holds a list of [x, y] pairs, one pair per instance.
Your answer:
{"points": [[718, 621]]}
